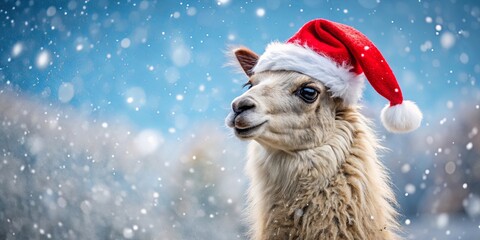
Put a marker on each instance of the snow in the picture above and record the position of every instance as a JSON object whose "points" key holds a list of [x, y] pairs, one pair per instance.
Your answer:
{"points": [[79, 47], [135, 97], [191, 11], [222, 2], [43, 59], [469, 146], [464, 58], [449, 104], [410, 188], [427, 45], [260, 12], [51, 11], [127, 233], [176, 15], [181, 56], [442, 220], [147, 141], [447, 39], [406, 168], [17, 49], [369, 4], [471, 205], [450, 167], [144, 5], [125, 43], [111, 113], [172, 74], [66, 92]]}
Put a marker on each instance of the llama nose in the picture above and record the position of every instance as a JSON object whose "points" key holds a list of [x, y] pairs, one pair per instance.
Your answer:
{"points": [[242, 105]]}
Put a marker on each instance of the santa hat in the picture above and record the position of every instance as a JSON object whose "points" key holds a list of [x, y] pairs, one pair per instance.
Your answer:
{"points": [[341, 57]]}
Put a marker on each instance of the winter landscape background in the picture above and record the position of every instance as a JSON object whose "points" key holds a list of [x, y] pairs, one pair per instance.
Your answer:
{"points": [[111, 113]]}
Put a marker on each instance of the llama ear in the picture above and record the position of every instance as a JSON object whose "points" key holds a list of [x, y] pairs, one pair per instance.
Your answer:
{"points": [[247, 59]]}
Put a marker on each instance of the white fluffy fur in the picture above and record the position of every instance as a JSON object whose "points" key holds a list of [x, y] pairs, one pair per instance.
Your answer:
{"points": [[338, 78], [401, 118], [313, 167]]}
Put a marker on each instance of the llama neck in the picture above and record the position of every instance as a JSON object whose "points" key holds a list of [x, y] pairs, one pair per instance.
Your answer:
{"points": [[343, 173], [277, 168]]}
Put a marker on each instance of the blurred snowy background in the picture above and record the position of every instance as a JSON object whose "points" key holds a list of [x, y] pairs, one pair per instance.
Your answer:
{"points": [[112, 113]]}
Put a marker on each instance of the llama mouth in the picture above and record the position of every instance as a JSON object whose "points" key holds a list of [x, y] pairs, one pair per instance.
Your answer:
{"points": [[247, 132]]}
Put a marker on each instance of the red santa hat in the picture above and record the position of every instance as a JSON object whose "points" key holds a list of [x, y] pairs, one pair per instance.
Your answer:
{"points": [[341, 58]]}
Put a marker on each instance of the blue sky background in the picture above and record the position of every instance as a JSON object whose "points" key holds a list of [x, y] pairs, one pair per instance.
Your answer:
{"points": [[127, 99], [172, 55]]}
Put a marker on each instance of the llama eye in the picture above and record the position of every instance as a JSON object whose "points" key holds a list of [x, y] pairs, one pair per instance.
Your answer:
{"points": [[308, 94], [248, 85]]}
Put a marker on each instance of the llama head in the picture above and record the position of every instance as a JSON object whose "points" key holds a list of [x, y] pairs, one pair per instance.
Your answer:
{"points": [[281, 109]]}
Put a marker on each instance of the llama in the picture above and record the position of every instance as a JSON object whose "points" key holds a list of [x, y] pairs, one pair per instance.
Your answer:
{"points": [[312, 160]]}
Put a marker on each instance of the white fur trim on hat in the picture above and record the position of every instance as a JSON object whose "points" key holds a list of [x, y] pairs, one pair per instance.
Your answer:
{"points": [[338, 78], [401, 118]]}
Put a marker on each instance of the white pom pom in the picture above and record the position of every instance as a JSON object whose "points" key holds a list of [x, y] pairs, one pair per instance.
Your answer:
{"points": [[401, 118]]}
